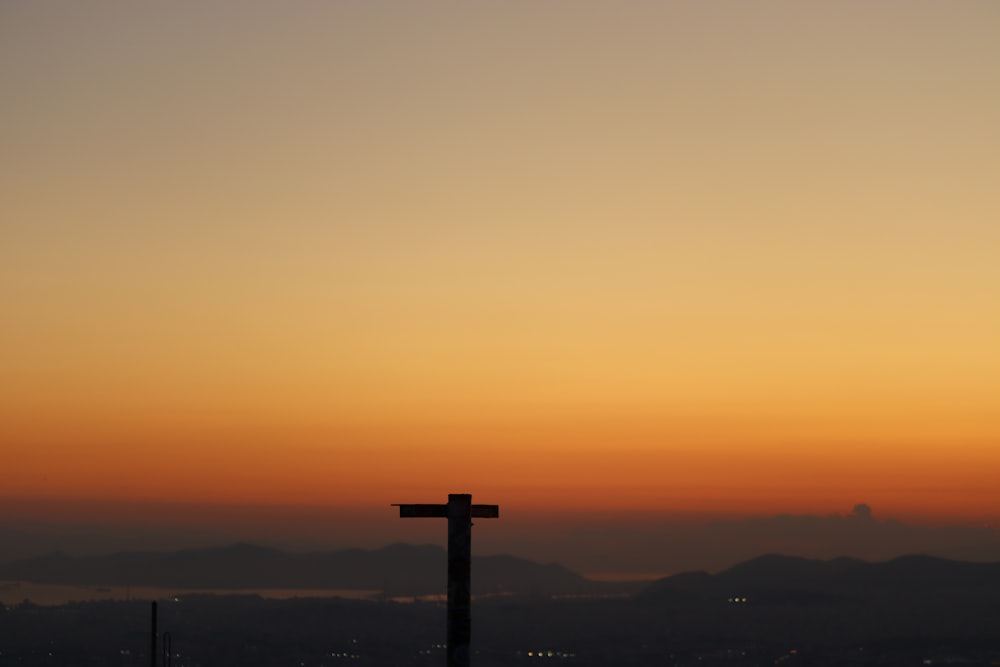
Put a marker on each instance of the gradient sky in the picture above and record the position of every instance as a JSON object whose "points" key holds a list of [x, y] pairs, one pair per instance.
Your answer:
{"points": [[722, 257]]}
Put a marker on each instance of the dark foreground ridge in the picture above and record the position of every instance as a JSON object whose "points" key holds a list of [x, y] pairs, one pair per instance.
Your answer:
{"points": [[772, 610]]}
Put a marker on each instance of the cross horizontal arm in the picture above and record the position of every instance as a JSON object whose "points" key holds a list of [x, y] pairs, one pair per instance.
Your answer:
{"points": [[486, 511], [418, 511]]}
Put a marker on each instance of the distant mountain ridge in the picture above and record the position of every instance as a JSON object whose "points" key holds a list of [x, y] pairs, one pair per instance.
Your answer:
{"points": [[415, 570], [773, 578], [396, 570]]}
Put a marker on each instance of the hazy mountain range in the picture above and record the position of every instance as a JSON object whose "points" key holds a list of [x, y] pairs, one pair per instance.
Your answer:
{"points": [[398, 569], [404, 569], [611, 544]]}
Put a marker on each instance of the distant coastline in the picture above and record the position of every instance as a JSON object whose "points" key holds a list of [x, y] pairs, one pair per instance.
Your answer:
{"points": [[15, 592]]}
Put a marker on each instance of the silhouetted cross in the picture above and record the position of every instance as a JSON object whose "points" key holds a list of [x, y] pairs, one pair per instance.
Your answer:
{"points": [[459, 511]]}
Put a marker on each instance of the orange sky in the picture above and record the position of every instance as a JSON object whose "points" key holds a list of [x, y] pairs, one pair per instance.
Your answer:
{"points": [[716, 257]]}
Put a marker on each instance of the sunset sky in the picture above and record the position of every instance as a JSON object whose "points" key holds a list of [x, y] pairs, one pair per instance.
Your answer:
{"points": [[722, 258]]}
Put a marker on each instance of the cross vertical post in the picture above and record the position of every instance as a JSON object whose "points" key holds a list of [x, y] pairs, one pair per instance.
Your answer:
{"points": [[152, 638], [459, 511]]}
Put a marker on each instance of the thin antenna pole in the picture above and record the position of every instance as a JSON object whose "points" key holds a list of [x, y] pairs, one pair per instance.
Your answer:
{"points": [[168, 649]]}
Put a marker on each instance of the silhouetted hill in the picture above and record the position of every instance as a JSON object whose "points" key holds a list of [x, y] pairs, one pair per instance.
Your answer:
{"points": [[396, 570], [774, 578]]}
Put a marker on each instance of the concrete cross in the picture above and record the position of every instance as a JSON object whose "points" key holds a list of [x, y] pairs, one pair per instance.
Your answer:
{"points": [[459, 511]]}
